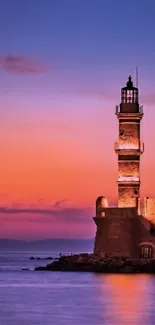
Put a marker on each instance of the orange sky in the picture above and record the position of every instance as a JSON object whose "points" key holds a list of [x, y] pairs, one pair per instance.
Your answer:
{"points": [[66, 158]]}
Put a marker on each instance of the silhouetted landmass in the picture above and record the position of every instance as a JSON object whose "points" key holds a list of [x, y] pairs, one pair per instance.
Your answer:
{"points": [[55, 245]]}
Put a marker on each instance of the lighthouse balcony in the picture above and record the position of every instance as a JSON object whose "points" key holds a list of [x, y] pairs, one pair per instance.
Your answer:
{"points": [[128, 110], [127, 149], [128, 179]]}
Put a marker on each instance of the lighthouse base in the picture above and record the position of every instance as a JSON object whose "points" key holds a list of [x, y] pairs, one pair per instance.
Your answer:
{"points": [[122, 232]]}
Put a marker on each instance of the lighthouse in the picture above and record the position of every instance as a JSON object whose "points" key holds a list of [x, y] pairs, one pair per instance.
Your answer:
{"points": [[123, 230], [129, 147]]}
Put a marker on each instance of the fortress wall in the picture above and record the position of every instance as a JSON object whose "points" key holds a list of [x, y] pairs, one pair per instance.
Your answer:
{"points": [[149, 209], [114, 236], [119, 212]]}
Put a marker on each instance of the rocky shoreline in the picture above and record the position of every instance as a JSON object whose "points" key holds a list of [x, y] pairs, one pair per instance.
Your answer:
{"points": [[98, 264]]}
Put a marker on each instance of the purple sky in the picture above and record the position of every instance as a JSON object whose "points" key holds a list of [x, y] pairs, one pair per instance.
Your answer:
{"points": [[63, 64]]}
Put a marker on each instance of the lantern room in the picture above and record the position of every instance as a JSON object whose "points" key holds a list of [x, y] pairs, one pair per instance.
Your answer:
{"points": [[129, 94], [129, 98]]}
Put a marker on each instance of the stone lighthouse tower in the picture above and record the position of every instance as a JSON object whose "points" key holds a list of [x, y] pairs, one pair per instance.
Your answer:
{"points": [[122, 230], [129, 148]]}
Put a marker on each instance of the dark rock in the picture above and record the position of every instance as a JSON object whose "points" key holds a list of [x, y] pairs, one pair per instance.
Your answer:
{"points": [[48, 258], [41, 268], [25, 269], [98, 264], [41, 258], [128, 269]]}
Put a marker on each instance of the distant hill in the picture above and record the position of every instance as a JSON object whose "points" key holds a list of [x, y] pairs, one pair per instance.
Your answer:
{"points": [[55, 245]]}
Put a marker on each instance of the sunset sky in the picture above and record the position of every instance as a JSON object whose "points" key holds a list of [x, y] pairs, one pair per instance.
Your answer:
{"points": [[63, 63]]}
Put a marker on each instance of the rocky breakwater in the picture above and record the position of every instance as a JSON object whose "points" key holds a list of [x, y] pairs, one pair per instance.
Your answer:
{"points": [[98, 264], [42, 258]]}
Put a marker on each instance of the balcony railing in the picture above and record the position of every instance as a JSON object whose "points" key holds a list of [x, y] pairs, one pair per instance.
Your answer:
{"points": [[127, 147], [142, 147], [118, 109], [128, 179]]}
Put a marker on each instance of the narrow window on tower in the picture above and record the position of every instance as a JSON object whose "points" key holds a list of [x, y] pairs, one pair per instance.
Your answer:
{"points": [[123, 96], [128, 96], [135, 96]]}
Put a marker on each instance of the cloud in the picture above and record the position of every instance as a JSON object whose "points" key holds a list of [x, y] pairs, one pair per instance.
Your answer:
{"points": [[21, 65], [59, 203], [38, 222], [47, 215]]}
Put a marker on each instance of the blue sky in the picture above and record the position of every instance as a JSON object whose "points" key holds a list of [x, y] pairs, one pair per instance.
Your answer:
{"points": [[78, 30]]}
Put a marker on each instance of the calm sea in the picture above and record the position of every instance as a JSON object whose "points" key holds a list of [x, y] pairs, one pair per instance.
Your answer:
{"points": [[55, 298]]}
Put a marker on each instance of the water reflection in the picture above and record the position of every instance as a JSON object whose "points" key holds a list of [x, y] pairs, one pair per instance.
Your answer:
{"points": [[126, 299]]}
